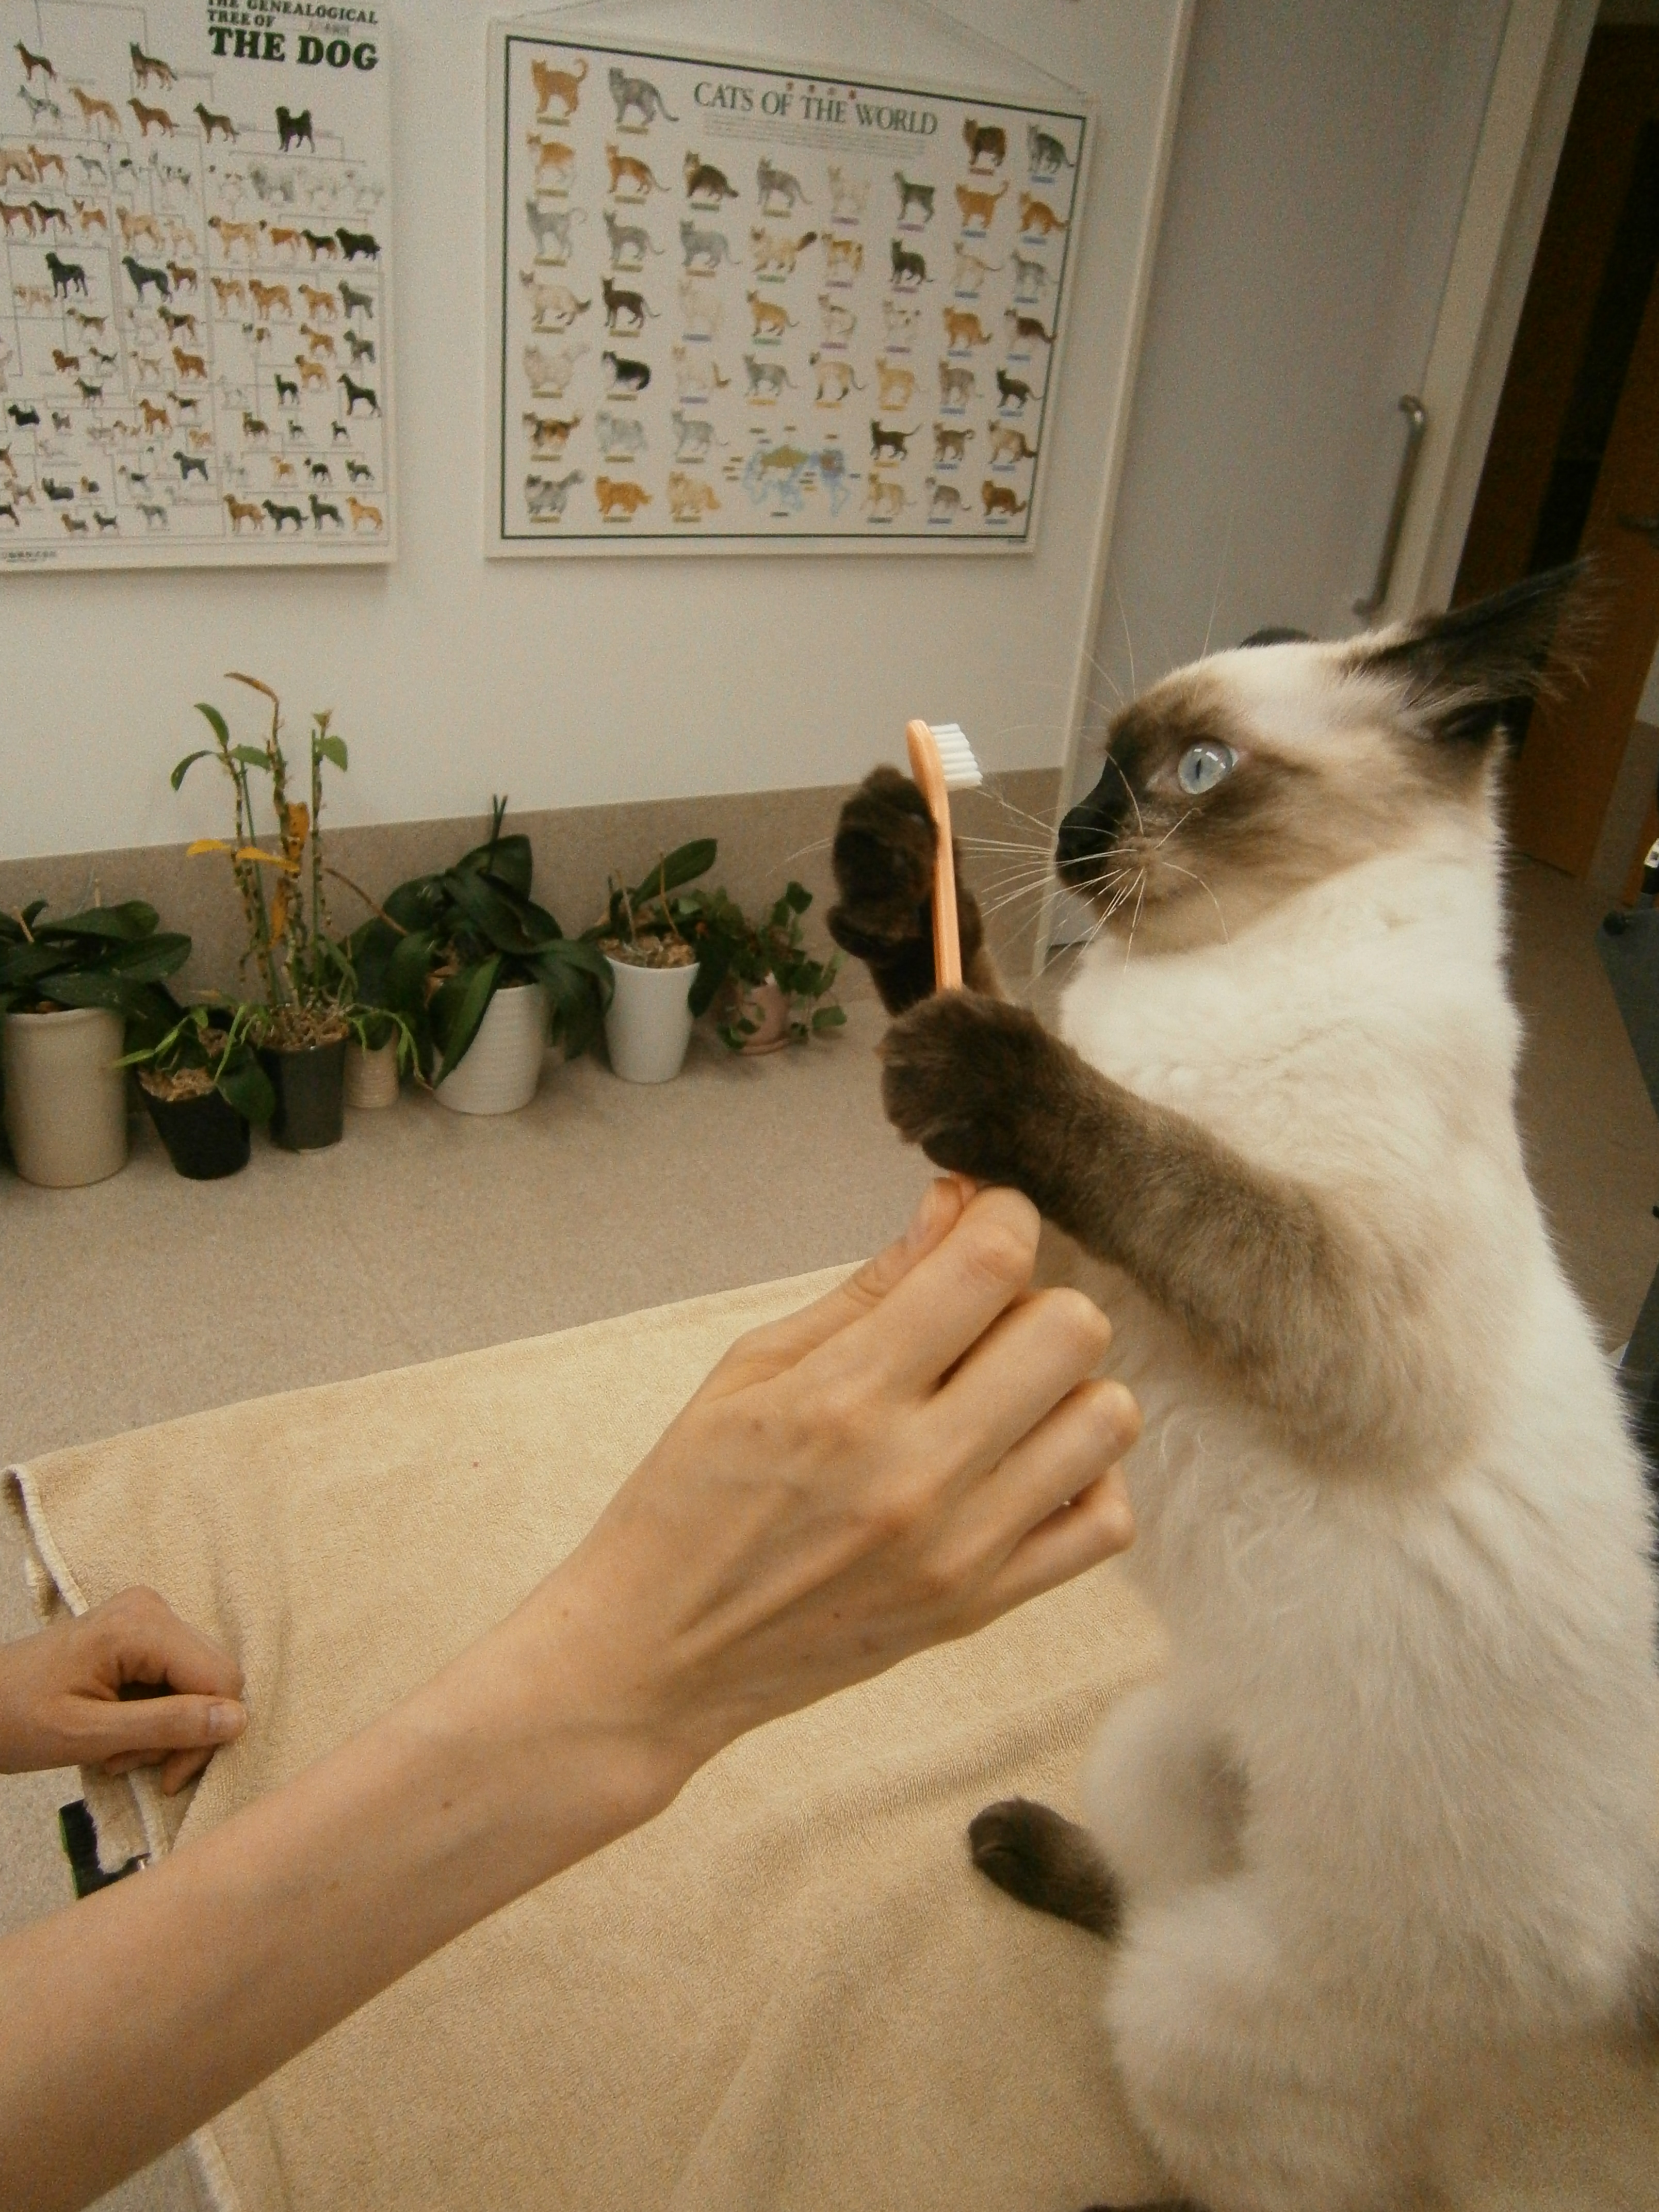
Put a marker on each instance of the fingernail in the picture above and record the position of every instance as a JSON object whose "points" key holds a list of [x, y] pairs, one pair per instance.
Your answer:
{"points": [[225, 1721]]}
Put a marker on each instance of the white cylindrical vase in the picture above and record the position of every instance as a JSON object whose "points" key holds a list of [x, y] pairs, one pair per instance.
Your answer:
{"points": [[371, 1075], [648, 1024], [502, 1066], [66, 1100]]}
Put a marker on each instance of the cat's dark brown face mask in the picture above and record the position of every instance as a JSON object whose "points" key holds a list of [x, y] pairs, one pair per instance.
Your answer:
{"points": [[1234, 782]]}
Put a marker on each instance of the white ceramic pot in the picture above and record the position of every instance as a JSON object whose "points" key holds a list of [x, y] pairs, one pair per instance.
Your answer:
{"points": [[767, 1003], [503, 1063], [648, 1025], [66, 1100], [371, 1078]]}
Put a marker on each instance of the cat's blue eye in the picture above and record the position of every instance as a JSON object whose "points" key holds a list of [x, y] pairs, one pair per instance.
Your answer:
{"points": [[1202, 766]]}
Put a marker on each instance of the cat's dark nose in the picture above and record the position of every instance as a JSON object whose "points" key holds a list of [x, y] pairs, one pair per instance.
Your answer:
{"points": [[1090, 831]]}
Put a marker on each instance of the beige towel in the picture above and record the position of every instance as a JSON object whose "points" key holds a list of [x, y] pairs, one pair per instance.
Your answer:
{"points": [[792, 1991]]}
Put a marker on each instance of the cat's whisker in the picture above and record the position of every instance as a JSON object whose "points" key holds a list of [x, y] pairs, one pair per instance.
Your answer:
{"points": [[1210, 895], [1128, 642], [1140, 826], [1134, 919], [1173, 827], [1220, 573]]}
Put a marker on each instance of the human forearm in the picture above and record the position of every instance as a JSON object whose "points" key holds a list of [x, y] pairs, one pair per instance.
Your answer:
{"points": [[459, 1799]]}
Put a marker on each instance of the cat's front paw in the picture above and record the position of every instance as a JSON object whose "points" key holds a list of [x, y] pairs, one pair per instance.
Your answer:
{"points": [[884, 855], [967, 1079]]}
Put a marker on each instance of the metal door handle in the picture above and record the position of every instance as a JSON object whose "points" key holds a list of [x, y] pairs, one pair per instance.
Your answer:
{"points": [[1417, 422], [1644, 525]]}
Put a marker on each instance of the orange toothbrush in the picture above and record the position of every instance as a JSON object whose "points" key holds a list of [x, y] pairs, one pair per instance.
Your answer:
{"points": [[942, 761]]}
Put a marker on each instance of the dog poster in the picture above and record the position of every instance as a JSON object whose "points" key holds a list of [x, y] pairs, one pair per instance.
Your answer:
{"points": [[194, 284], [741, 307]]}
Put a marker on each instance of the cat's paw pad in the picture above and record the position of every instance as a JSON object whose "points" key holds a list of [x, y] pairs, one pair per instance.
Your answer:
{"points": [[884, 856], [1047, 1861], [963, 1079]]}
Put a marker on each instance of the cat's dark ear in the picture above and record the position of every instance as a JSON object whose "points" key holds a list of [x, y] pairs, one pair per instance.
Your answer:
{"points": [[1463, 674], [1273, 635]]}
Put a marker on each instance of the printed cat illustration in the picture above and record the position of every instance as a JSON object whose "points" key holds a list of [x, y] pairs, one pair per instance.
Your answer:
{"points": [[1396, 1800]]}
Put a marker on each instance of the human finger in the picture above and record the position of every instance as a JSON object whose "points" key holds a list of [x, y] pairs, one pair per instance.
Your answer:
{"points": [[182, 1767], [767, 1352], [1041, 1349], [139, 1639], [144, 1728], [1094, 1526]]}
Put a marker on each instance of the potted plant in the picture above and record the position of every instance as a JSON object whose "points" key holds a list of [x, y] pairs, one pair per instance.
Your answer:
{"points": [[647, 942], [773, 992], [303, 1024], [202, 1084], [73, 994], [481, 975]]}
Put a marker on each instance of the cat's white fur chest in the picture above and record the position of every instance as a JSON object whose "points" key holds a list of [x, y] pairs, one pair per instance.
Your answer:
{"points": [[1439, 1678]]}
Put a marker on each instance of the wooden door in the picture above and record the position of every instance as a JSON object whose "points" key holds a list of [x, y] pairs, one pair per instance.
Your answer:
{"points": [[1574, 458]]}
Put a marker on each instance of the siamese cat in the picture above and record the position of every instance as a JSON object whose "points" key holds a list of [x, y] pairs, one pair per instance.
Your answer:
{"points": [[1396, 1803]]}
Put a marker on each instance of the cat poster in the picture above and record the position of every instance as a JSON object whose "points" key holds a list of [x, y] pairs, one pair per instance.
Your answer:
{"points": [[194, 285], [741, 307]]}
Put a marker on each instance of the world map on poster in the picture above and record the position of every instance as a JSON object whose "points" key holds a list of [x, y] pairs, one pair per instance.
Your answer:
{"points": [[193, 273], [753, 306]]}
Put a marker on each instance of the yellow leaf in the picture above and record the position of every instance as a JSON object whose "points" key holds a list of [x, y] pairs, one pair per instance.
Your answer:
{"points": [[206, 845], [270, 859]]}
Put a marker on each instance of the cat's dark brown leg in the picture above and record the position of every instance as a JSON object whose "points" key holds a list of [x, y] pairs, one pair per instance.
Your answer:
{"points": [[1047, 1863], [1314, 1322], [885, 851]]}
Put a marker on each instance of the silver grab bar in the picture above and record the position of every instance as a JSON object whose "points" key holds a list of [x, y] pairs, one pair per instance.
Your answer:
{"points": [[1417, 422]]}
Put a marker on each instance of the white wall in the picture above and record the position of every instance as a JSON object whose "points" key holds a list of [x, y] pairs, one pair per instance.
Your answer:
{"points": [[568, 682], [1321, 161]]}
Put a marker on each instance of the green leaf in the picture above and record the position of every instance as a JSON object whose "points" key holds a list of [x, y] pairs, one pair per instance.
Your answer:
{"points": [[512, 924], [252, 756], [682, 865], [189, 761], [829, 1017], [243, 1083], [215, 721], [460, 1007], [88, 987], [407, 970], [333, 749], [797, 897], [152, 957], [114, 924]]}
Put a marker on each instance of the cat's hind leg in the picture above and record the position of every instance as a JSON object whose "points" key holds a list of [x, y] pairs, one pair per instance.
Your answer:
{"points": [[1162, 1800], [1047, 1863]]}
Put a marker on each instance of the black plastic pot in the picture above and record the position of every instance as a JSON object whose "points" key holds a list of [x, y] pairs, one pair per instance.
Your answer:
{"points": [[310, 1087], [205, 1136]]}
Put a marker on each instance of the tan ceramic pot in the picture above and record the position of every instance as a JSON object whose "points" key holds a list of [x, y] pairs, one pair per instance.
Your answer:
{"points": [[371, 1078], [66, 1100]]}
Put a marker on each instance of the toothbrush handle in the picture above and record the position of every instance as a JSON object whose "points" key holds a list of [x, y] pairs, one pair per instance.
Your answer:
{"points": [[929, 773]]}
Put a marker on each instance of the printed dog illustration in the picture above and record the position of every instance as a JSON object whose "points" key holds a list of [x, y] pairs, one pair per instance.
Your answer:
{"points": [[319, 472], [279, 515], [630, 244], [269, 298], [149, 68], [184, 276], [619, 496], [986, 144], [896, 386], [40, 106], [1009, 446], [321, 245], [364, 517], [355, 302], [623, 376], [359, 472], [320, 305], [553, 306], [621, 437], [313, 377], [771, 320], [688, 497], [695, 375], [1013, 393], [155, 418], [35, 63], [192, 367], [288, 389], [1032, 277], [552, 224], [1000, 500], [361, 349], [1037, 218], [242, 511], [839, 322], [14, 162], [706, 186], [155, 517], [95, 110], [909, 268], [636, 175], [956, 385], [550, 435], [91, 219], [701, 307], [625, 312], [45, 160], [555, 164], [156, 118], [215, 126], [562, 86], [703, 250], [318, 342], [847, 194], [950, 446], [1026, 331], [66, 276], [544, 497], [885, 499], [253, 428], [767, 379], [324, 510], [693, 434], [775, 252], [964, 330], [549, 374], [913, 194], [47, 217], [355, 394], [1044, 153], [245, 234], [843, 258], [75, 524], [189, 465], [13, 211], [972, 270], [886, 444], [177, 325], [359, 245], [636, 96], [293, 130], [978, 208], [836, 380], [778, 191]]}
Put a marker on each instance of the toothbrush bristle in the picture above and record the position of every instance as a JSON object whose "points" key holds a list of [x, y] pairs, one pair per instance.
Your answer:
{"points": [[962, 771]]}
